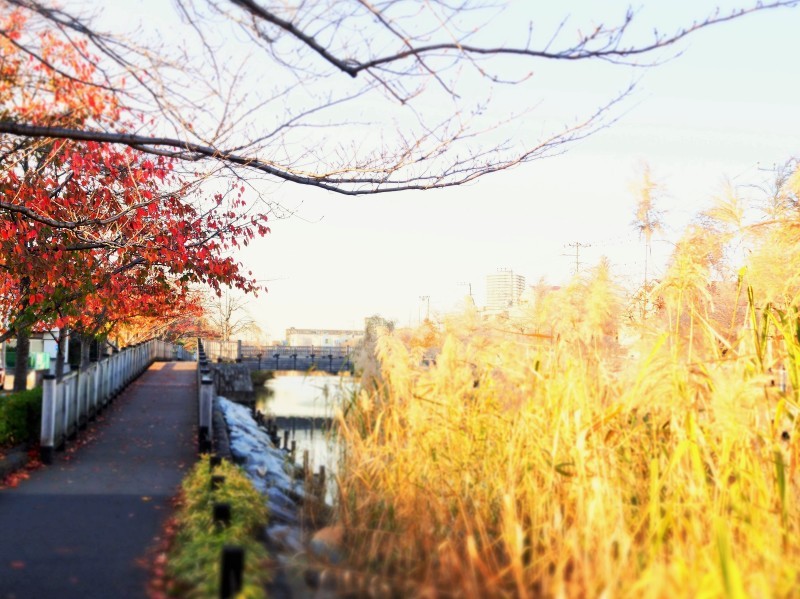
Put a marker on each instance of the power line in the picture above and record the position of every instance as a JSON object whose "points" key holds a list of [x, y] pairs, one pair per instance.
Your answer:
{"points": [[577, 245]]}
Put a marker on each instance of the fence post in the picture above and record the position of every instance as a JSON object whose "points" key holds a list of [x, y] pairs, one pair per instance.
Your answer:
{"points": [[69, 407], [128, 366], [116, 367], [104, 382], [48, 433], [94, 369], [205, 431], [80, 400], [203, 370]]}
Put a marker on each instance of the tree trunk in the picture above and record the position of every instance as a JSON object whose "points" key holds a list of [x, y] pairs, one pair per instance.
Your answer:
{"points": [[21, 367]]}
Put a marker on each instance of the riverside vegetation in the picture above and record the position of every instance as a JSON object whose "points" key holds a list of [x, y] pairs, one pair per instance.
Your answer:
{"points": [[589, 446], [193, 558]]}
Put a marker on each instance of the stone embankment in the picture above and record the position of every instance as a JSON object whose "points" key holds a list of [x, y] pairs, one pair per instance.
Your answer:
{"points": [[300, 542], [232, 381]]}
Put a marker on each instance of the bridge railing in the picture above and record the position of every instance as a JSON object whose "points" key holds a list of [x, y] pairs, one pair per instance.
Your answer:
{"points": [[327, 357], [304, 351], [70, 403]]}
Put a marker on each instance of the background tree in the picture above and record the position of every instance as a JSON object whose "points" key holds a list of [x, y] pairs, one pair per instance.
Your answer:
{"points": [[227, 315], [376, 325]]}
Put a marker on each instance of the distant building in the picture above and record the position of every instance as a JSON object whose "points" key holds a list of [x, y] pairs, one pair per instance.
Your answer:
{"points": [[322, 337], [503, 290]]}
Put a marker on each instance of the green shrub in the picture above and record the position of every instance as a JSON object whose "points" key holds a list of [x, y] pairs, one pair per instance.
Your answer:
{"points": [[194, 559], [20, 417]]}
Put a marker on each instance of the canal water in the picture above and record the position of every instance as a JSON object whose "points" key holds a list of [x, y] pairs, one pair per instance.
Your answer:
{"points": [[304, 404]]}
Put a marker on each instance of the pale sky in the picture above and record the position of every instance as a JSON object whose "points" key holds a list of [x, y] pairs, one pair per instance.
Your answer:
{"points": [[726, 109]]}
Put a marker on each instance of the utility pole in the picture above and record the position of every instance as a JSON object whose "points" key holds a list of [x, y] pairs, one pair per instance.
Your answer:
{"points": [[577, 245], [427, 300], [468, 285]]}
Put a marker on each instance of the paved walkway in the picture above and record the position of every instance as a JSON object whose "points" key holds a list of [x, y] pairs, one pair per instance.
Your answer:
{"points": [[81, 527]]}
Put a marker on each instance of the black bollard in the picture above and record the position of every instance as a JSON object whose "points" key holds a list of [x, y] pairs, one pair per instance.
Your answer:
{"points": [[231, 572], [222, 515], [203, 440]]}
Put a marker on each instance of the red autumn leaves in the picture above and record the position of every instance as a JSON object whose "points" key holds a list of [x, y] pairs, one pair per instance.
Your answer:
{"points": [[94, 235]]}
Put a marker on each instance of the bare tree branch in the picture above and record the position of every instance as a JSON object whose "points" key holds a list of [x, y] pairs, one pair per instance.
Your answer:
{"points": [[411, 121]]}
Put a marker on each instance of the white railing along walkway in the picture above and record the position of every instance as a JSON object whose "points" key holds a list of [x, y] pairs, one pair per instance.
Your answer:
{"points": [[69, 403], [206, 393]]}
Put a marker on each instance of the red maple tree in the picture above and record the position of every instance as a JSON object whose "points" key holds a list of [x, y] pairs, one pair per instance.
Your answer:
{"points": [[94, 235]]}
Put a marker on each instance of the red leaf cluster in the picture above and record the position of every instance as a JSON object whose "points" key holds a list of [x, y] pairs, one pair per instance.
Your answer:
{"points": [[94, 236]]}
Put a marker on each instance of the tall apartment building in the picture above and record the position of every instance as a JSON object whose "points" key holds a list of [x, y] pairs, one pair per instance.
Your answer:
{"points": [[503, 289]]}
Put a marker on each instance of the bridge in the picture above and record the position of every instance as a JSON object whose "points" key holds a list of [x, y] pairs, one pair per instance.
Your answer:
{"points": [[332, 359]]}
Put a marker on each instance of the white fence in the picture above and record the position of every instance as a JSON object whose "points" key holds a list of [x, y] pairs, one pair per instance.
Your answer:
{"points": [[206, 392], [68, 404]]}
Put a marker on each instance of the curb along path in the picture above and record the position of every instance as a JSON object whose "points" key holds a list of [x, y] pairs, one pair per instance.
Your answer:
{"points": [[81, 527]]}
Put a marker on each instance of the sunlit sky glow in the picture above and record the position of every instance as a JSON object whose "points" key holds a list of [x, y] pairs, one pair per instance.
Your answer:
{"points": [[725, 109]]}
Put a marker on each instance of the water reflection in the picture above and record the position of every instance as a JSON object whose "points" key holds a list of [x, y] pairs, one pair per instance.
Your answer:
{"points": [[303, 406], [296, 394]]}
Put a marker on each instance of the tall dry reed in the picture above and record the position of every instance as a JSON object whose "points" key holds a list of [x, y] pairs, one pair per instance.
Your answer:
{"points": [[542, 458]]}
